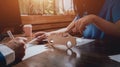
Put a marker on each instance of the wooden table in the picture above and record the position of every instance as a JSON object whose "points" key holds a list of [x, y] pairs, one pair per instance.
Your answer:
{"points": [[93, 54]]}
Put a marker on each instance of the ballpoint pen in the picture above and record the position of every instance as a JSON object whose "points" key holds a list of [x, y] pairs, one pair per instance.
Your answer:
{"points": [[10, 34]]}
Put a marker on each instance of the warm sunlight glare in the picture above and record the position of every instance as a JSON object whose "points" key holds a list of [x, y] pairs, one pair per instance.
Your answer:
{"points": [[68, 4], [37, 1]]}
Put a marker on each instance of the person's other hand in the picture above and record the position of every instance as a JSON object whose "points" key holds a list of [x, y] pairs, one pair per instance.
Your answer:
{"points": [[41, 35], [17, 45]]}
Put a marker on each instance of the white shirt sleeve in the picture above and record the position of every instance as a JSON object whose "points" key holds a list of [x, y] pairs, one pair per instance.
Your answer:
{"points": [[8, 53]]}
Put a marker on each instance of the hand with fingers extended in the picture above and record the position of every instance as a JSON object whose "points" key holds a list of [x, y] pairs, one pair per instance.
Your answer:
{"points": [[41, 35]]}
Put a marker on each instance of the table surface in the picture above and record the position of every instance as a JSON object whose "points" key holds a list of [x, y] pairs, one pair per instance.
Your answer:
{"points": [[94, 54]]}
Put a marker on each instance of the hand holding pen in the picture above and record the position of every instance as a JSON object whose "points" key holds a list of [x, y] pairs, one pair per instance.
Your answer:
{"points": [[17, 45], [20, 40]]}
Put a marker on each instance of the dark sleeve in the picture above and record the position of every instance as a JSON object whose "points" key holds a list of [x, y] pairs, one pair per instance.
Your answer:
{"points": [[2, 60]]}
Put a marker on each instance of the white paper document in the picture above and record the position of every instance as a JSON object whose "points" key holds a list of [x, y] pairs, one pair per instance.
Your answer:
{"points": [[115, 57], [34, 50], [81, 41]]}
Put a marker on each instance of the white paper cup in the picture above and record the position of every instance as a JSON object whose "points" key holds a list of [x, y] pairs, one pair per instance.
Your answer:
{"points": [[27, 30]]}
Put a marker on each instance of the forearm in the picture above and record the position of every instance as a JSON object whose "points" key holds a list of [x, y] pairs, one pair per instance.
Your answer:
{"points": [[107, 27]]}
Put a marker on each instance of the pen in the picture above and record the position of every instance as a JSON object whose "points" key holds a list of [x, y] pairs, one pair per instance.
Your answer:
{"points": [[10, 34], [32, 41]]}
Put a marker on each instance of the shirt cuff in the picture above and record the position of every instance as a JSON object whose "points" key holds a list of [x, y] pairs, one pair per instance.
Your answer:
{"points": [[8, 53]]}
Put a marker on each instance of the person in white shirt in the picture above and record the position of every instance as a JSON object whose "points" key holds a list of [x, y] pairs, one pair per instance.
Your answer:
{"points": [[13, 51]]}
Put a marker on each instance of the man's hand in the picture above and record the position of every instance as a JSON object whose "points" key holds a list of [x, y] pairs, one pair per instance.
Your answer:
{"points": [[17, 45]]}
